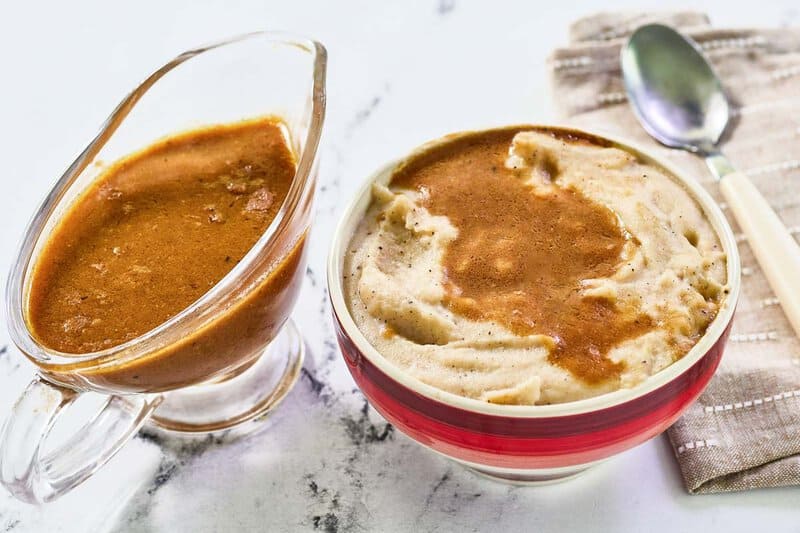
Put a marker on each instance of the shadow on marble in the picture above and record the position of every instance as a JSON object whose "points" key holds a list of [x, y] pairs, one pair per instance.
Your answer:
{"points": [[326, 461]]}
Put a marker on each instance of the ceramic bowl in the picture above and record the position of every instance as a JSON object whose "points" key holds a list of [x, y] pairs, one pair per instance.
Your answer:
{"points": [[542, 442]]}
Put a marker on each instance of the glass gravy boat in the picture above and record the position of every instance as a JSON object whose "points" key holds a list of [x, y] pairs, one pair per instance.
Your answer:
{"points": [[243, 321]]}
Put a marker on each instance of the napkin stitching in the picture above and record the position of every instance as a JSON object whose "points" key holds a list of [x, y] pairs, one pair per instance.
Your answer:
{"points": [[695, 444], [618, 97], [767, 302], [787, 164], [752, 403], [713, 45], [761, 336]]}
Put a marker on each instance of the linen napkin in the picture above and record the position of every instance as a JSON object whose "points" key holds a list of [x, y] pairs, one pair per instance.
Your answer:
{"points": [[744, 431]]}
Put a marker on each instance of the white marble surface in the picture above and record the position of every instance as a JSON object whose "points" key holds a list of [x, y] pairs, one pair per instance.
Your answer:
{"points": [[399, 74]]}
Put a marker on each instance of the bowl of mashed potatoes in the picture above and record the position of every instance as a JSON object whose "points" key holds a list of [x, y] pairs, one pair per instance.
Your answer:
{"points": [[530, 300]]}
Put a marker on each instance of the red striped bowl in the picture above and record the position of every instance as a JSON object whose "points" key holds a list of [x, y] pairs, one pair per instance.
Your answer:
{"points": [[531, 443]]}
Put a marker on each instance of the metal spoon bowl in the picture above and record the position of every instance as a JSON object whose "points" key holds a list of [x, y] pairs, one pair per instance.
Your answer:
{"points": [[675, 93]]}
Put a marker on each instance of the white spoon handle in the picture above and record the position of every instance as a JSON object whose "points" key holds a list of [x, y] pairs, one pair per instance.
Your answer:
{"points": [[775, 249]]}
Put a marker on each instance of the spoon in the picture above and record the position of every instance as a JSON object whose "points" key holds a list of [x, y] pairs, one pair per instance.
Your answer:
{"points": [[679, 100]]}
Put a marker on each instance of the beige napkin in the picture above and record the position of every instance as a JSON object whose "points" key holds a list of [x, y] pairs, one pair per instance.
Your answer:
{"points": [[744, 432]]}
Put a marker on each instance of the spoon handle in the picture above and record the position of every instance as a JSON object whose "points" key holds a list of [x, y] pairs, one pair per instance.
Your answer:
{"points": [[774, 247]]}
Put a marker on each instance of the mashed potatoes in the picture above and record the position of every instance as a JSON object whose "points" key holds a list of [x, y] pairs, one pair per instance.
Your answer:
{"points": [[475, 293]]}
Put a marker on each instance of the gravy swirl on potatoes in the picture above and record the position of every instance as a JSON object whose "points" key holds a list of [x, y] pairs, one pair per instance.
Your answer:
{"points": [[523, 266]]}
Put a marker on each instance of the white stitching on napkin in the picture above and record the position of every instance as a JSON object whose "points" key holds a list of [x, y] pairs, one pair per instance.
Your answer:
{"points": [[789, 164], [572, 62], [611, 98], [769, 77], [784, 73], [617, 97], [769, 302], [694, 444], [736, 42], [752, 403], [741, 43], [755, 337]]}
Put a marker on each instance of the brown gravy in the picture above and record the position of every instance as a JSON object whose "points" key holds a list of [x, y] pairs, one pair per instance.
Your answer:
{"points": [[151, 235], [155, 232], [520, 255]]}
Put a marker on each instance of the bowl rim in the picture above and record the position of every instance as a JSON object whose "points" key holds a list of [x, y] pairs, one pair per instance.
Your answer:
{"points": [[358, 205]]}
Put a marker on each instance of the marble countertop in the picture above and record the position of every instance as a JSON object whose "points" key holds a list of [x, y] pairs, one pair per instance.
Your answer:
{"points": [[398, 75]]}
